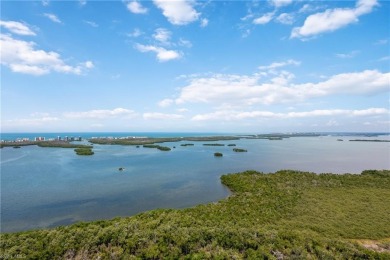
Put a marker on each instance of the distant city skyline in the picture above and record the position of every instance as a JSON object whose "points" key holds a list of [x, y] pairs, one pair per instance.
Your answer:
{"points": [[195, 66]]}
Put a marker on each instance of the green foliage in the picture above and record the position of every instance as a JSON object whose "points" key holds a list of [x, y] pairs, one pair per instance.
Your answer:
{"points": [[231, 145], [285, 215], [213, 144], [84, 151], [239, 150], [187, 145], [161, 148], [218, 154], [376, 173]]}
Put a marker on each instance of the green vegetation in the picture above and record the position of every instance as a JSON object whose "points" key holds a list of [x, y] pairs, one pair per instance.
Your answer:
{"points": [[286, 215], [213, 144], [218, 154], [148, 140], [84, 151], [231, 145], [161, 148], [187, 145], [57, 144], [16, 146], [368, 140], [239, 150]]}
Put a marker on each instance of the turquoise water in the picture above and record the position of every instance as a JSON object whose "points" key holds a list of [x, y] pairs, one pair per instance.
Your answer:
{"points": [[46, 187]]}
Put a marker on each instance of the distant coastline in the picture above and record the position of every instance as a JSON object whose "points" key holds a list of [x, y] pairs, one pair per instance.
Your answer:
{"points": [[78, 136]]}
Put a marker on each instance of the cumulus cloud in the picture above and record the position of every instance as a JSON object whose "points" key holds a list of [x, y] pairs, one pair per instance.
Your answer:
{"points": [[52, 17], [136, 8], [276, 65], [204, 22], [162, 35], [162, 53], [228, 115], [332, 19], [277, 88], [165, 102], [17, 28], [285, 18], [264, 19], [280, 3], [23, 57], [101, 114], [135, 33], [180, 12], [149, 116]]}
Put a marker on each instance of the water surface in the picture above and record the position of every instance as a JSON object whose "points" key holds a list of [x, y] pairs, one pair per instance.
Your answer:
{"points": [[46, 187]]}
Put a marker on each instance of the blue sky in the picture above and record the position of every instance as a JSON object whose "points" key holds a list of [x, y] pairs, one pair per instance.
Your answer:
{"points": [[195, 66]]}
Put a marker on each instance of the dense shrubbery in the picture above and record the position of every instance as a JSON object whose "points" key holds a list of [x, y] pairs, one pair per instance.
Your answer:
{"points": [[84, 151], [187, 145], [161, 148], [218, 154], [289, 214], [213, 144], [239, 150]]}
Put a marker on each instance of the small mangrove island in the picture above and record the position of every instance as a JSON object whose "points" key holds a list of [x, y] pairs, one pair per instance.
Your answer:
{"points": [[159, 147], [239, 150], [84, 151]]}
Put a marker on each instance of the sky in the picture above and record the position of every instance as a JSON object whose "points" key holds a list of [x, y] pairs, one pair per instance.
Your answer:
{"points": [[195, 66]]}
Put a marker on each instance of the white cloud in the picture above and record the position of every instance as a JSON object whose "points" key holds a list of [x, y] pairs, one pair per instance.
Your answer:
{"points": [[165, 102], [21, 56], [276, 65], [185, 43], [136, 8], [182, 110], [52, 17], [136, 33], [17, 28], [332, 19], [348, 55], [162, 35], [45, 2], [179, 12], [204, 22], [101, 114], [228, 115], [266, 18], [306, 8], [93, 24], [162, 116], [82, 2], [249, 90], [162, 53], [280, 3], [285, 18]]}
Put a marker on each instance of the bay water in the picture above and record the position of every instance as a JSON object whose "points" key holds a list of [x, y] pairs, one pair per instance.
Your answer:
{"points": [[48, 187]]}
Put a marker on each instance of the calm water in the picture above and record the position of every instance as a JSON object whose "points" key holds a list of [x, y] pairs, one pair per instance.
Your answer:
{"points": [[46, 187]]}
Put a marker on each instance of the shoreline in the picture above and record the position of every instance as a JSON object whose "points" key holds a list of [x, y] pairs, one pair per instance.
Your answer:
{"points": [[297, 208]]}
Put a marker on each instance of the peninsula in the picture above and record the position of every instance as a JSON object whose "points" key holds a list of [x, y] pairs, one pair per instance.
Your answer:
{"points": [[285, 215]]}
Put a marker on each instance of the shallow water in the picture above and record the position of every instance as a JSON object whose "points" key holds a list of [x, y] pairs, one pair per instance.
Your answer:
{"points": [[46, 187]]}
